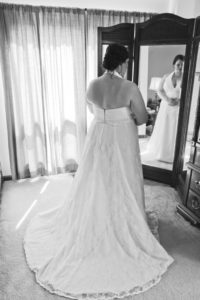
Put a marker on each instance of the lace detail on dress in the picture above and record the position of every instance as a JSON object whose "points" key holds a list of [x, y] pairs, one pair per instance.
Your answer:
{"points": [[152, 219], [99, 245], [100, 296]]}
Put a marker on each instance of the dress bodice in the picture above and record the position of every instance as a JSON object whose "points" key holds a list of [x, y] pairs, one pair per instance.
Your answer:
{"points": [[114, 114], [170, 90]]}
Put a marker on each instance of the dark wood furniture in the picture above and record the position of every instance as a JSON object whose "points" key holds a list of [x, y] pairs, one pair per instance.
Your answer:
{"points": [[162, 29], [168, 29], [190, 207]]}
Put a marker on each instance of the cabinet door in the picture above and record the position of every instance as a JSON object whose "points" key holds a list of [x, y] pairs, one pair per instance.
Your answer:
{"points": [[190, 142]]}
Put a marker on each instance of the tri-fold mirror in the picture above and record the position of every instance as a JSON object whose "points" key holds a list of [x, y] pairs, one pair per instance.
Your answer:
{"points": [[165, 140]]}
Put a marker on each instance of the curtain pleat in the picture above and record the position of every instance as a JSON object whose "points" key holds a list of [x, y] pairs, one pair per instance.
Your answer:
{"points": [[43, 66], [6, 96], [47, 57], [61, 36], [24, 103]]}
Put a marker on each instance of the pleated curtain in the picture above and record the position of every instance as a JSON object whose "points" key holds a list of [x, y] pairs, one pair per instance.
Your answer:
{"points": [[48, 56], [43, 71]]}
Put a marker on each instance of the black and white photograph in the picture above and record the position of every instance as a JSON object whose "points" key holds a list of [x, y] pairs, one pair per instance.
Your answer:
{"points": [[99, 150]]}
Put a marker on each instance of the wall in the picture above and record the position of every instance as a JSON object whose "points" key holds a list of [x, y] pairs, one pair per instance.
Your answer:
{"points": [[160, 61], [4, 152], [197, 9], [129, 5], [184, 8], [143, 80]]}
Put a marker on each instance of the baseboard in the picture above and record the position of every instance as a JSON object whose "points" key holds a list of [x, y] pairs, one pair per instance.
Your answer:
{"points": [[6, 178], [188, 215]]}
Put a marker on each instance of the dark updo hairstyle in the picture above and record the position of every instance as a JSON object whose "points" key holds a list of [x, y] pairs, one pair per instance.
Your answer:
{"points": [[116, 55], [178, 57]]}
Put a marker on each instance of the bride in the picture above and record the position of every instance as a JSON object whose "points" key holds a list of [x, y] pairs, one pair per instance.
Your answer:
{"points": [[161, 145], [99, 245]]}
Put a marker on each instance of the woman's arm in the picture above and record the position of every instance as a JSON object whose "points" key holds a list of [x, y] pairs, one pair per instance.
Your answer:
{"points": [[162, 94], [89, 97], [137, 106], [89, 105]]}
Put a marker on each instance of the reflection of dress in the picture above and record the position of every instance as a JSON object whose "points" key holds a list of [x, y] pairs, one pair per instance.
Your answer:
{"points": [[98, 242], [162, 142]]}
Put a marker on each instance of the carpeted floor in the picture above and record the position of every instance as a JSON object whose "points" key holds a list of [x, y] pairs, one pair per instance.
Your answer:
{"points": [[21, 200]]}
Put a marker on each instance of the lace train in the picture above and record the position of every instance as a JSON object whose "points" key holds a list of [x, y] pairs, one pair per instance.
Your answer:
{"points": [[99, 244], [152, 219]]}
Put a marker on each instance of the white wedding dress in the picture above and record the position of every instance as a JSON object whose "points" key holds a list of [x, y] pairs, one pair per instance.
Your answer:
{"points": [[161, 145], [98, 245]]}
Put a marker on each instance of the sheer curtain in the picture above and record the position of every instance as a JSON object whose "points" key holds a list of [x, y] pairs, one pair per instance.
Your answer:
{"points": [[47, 57], [62, 46], [103, 18], [43, 71], [20, 65]]}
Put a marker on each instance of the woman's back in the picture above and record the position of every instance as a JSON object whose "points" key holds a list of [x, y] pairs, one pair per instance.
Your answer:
{"points": [[110, 92]]}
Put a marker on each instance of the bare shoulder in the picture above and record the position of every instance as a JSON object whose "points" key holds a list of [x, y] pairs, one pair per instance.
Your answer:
{"points": [[93, 82], [166, 75], [162, 81], [92, 85], [92, 89], [131, 87], [129, 84]]}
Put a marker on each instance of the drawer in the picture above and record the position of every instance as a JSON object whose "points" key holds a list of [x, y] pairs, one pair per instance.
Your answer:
{"points": [[197, 157], [193, 203], [195, 182]]}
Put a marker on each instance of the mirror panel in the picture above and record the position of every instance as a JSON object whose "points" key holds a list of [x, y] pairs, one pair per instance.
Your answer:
{"points": [[104, 47], [157, 137]]}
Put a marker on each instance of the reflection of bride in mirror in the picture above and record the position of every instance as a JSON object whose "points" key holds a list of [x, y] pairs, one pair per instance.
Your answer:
{"points": [[162, 142]]}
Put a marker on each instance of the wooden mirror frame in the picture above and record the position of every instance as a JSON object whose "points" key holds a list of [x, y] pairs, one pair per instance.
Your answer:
{"points": [[166, 29], [181, 186], [184, 186], [162, 29]]}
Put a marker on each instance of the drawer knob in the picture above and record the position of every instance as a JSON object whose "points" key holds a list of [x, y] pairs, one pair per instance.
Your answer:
{"points": [[195, 203], [197, 182]]}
